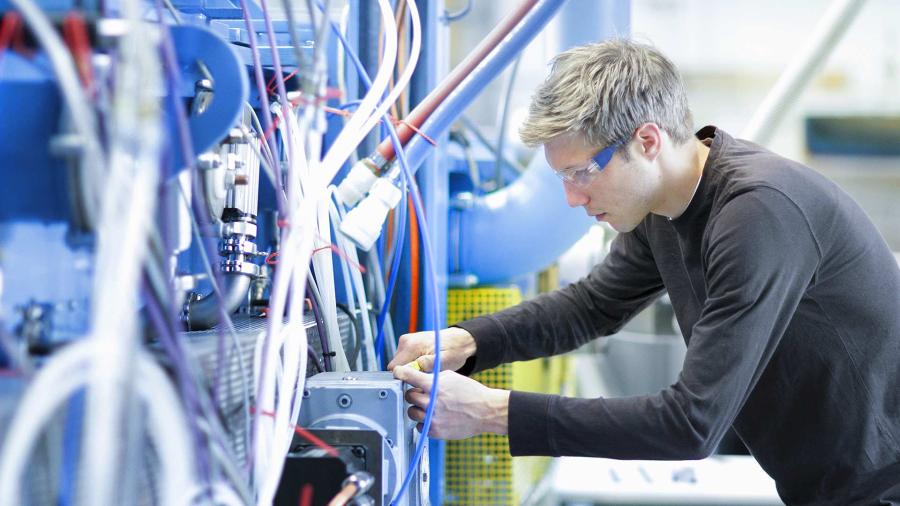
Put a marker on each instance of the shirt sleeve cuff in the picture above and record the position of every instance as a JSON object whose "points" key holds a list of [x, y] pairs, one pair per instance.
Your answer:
{"points": [[490, 344], [529, 424]]}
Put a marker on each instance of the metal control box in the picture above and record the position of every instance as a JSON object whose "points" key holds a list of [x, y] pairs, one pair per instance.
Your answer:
{"points": [[338, 406]]}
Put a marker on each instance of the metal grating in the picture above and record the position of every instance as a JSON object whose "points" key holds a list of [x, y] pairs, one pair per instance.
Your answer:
{"points": [[202, 346], [479, 470]]}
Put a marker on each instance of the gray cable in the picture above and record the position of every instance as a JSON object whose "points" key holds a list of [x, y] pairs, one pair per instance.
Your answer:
{"points": [[295, 37], [473, 128], [501, 138]]}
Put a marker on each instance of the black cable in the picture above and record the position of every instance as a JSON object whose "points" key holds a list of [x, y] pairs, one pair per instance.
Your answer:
{"points": [[357, 333], [314, 357], [322, 330]]}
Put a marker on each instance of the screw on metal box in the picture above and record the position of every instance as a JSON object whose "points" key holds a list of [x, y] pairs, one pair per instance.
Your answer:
{"points": [[344, 401], [382, 394]]}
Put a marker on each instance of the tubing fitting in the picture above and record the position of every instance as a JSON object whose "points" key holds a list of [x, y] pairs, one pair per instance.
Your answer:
{"points": [[363, 224]]}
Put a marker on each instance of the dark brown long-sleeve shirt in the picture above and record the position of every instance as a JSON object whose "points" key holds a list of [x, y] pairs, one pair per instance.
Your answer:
{"points": [[789, 302]]}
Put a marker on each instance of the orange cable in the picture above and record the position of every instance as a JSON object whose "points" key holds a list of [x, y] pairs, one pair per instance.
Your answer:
{"points": [[414, 268]]}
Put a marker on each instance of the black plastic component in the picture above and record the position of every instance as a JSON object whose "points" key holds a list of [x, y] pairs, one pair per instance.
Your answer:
{"points": [[358, 450]]}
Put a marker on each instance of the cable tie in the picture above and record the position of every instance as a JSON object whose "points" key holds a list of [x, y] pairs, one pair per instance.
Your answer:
{"points": [[414, 129], [339, 252], [271, 86], [394, 120]]}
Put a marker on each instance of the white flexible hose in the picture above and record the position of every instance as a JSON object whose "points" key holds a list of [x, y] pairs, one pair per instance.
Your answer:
{"points": [[66, 372], [344, 144], [368, 343], [404, 78]]}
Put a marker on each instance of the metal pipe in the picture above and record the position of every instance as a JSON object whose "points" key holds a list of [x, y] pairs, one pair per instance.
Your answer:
{"points": [[801, 70], [543, 10], [203, 313], [456, 102]]}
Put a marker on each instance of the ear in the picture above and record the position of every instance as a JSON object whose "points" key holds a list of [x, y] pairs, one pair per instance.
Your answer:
{"points": [[649, 139]]}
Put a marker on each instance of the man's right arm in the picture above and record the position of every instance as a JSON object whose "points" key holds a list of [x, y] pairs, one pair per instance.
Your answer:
{"points": [[553, 323]]}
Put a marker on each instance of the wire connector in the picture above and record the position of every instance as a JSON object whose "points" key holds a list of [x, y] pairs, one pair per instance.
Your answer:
{"points": [[363, 224], [358, 182]]}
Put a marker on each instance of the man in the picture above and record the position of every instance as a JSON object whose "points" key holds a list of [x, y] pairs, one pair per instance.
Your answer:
{"points": [[787, 297]]}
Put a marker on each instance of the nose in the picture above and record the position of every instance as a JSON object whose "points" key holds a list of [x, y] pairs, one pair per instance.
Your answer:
{"points": [[574, 196]]}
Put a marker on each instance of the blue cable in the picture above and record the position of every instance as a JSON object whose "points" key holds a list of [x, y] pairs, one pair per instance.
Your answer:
{"points": [[395, 267], [429, 265], [392, 279]]}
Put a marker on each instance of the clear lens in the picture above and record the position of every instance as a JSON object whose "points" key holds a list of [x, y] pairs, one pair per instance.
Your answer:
{"points": [[579, 177]]}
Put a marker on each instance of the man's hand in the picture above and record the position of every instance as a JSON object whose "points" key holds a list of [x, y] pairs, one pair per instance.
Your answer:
{"points": [[463, 407], [457, 345]]}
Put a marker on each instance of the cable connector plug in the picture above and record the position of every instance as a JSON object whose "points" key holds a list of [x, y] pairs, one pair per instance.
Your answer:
{"points": [[358, 182], [363, 224]]}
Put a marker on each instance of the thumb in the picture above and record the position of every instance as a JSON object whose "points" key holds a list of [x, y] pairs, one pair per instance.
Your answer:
{"points": [[426, 363]]}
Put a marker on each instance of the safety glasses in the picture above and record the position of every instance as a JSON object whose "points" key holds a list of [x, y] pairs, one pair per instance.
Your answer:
{"points": [[582, 176]]}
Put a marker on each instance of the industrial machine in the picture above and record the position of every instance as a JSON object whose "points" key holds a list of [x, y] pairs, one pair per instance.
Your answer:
{"points": [[217, 218]]}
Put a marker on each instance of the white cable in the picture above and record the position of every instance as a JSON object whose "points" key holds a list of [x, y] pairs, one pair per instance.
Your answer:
{"points": [[404, 78], [349, 288], [69, 370], [128, 203], [344, 143], [368, 343], [93, 162], [290, 276]]}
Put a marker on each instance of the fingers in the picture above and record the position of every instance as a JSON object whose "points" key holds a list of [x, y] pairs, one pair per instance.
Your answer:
{"points": [[414, 378], [417, 397], [409, 348], [416, 414]]}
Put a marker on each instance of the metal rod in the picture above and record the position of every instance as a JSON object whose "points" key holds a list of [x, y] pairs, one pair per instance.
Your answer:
{"points": [[801, 70]]}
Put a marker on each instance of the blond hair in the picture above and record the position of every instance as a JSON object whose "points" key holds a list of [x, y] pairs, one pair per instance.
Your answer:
{"points": [[605, 91]]}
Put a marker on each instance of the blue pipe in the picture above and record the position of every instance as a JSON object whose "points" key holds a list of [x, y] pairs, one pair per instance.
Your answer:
{"points": [[497, 231], [446, 113]]}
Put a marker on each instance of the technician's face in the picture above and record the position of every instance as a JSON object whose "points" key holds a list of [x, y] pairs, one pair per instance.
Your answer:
{"points": [[619, 193]]}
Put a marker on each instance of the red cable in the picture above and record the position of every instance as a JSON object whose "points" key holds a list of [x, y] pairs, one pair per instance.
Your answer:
{"points": [[76, 35], [8, 26], [339, 252], [422, 111], [305, 434], [306, 495], [18, 39]]}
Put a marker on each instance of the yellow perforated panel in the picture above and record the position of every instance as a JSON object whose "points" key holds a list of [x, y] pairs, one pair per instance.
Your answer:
{"points": [[479, 470]]}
